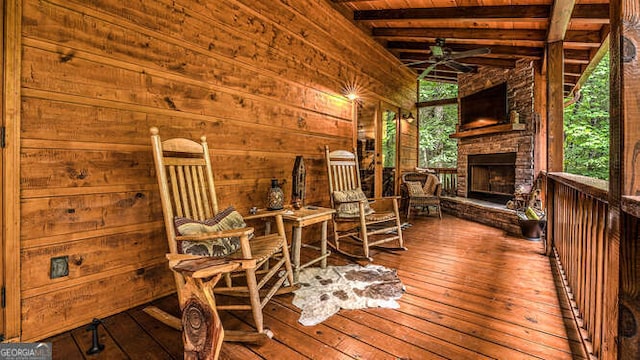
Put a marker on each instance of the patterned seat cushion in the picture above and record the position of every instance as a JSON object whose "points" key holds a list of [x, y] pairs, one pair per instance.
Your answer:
{"points": [[347, 209], [414, 188], [226, 219]]}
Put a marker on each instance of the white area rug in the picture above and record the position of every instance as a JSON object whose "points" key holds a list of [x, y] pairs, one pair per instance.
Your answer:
{"points": [[323, 292]]}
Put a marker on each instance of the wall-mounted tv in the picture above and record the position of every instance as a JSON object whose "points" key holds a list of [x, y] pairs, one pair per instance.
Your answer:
{"points": [[485, 107]]}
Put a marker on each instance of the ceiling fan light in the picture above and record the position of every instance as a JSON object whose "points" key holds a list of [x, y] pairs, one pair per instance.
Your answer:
{"points": [[437, 51]]}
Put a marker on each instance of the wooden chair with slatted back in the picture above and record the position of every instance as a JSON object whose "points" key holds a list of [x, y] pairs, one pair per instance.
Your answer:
{"points": [[353, 220], [185, 179]]}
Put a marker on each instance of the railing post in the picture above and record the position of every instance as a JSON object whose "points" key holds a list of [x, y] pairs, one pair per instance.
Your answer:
{"points": [[551, 216]]}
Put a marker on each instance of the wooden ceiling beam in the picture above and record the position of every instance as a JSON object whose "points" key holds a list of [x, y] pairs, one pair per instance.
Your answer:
{"points": [[597, 12], [449, 33], [511, 12], [577, 54], [560, 17], [572, 69], [576, 61], [578, 38], [495, 49], [587, 38], [591, 12]]}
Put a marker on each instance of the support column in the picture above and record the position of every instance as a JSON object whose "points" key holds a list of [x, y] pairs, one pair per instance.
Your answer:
{"points": [[624, 180], [555, 106], [12, 63], [555, 123]]}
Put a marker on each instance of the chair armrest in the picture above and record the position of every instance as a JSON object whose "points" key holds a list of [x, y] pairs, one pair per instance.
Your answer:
{"points": [[203, 267], [246, 231], [180, 257], [438, 191], [386, 198], [174, 259]]}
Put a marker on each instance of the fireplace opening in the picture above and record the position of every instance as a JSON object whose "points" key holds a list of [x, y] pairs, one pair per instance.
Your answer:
{"points": [[492, 177]]}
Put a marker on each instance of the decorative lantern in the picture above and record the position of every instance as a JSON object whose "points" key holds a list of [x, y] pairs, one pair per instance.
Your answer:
{"points": [[275, 199], [298, 184]]}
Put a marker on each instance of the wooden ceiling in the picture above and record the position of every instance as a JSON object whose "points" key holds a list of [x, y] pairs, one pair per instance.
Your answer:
{"points": [[511, 29]]}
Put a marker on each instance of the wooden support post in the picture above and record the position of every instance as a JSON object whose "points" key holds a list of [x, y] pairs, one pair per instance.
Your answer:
{"points": [[11, 103], [555, 75], [623, 246]]}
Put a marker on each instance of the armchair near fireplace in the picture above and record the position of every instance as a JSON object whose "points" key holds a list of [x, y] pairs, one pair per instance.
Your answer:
{"points": [[423, 190]]}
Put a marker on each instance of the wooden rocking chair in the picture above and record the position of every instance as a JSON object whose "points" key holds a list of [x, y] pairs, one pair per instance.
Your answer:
{"points": [[187, 191], [368, 223]]}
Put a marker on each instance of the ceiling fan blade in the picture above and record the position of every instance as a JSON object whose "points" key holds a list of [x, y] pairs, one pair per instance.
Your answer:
{"points": [[427, 71], [468, 53], [458, 67], [416, 63]]}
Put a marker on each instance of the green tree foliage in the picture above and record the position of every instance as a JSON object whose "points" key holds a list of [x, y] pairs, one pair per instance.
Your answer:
{"points": [[389, 139], [586, 127], [436, 149]]}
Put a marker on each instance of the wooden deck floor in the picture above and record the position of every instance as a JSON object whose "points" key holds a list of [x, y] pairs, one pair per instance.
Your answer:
{"points": [[472, 293]]}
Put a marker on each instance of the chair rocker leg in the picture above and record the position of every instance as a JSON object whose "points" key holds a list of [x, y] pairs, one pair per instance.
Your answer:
{"points": [[247, 336], [164, 317], [348, 254]]}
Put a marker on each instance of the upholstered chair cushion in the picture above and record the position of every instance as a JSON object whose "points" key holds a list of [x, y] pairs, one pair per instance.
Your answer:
{"points": [[414, 188], [226, 219], [347, 205], [430, 185]]}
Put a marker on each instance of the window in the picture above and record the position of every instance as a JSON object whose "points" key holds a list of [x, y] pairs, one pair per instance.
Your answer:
{"points": [[435, 148]]}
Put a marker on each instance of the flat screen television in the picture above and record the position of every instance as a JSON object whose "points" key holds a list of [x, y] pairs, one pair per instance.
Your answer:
{"points": [[485, 107]]}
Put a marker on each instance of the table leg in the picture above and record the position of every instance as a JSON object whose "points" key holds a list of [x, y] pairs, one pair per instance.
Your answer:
{"points": [[295, 249], [323, 245]]}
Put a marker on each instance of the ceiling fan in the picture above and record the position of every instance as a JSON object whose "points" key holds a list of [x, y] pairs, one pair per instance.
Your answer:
{"points": [[441, 55]]}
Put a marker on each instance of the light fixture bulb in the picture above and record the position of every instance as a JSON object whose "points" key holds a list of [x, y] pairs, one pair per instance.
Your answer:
{"points": [[409, 117]]}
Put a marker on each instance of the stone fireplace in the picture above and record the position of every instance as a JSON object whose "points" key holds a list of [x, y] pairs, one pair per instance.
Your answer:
{"points": [[497, 157], [506, 149]]}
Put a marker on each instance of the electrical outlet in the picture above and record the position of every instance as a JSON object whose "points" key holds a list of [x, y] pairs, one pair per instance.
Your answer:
{"points": [[59, 267]]}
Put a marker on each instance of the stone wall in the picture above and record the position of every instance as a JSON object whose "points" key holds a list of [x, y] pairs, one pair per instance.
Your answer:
{"points": [[520, 96]]}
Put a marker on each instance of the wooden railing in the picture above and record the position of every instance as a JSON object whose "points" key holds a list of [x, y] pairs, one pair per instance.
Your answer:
{"points": [[577, 219], [449, 179]]}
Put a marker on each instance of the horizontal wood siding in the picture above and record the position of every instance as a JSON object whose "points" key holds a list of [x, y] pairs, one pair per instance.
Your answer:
{"points": [[408, 145], [262, 80]]}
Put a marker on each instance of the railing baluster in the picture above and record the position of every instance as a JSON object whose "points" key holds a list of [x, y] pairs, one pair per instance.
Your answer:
{"points": [[579, 240]]}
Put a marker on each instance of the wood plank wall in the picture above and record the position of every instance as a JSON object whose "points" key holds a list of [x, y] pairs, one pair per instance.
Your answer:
{"points": [[263, 81]]}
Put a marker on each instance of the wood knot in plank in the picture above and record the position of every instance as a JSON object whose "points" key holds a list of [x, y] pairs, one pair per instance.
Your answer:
{"points": [[170, 103], [67, 57], [628, 50]]}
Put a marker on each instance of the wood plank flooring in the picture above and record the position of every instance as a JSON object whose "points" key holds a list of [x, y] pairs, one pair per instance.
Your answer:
{"points": [[472, 292]]}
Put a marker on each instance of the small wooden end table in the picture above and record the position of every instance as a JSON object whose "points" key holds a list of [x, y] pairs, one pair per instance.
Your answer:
{"points": [[305, 216]]}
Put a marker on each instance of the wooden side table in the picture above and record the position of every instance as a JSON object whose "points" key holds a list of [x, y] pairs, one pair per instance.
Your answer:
{"points": [[308, 215]]}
